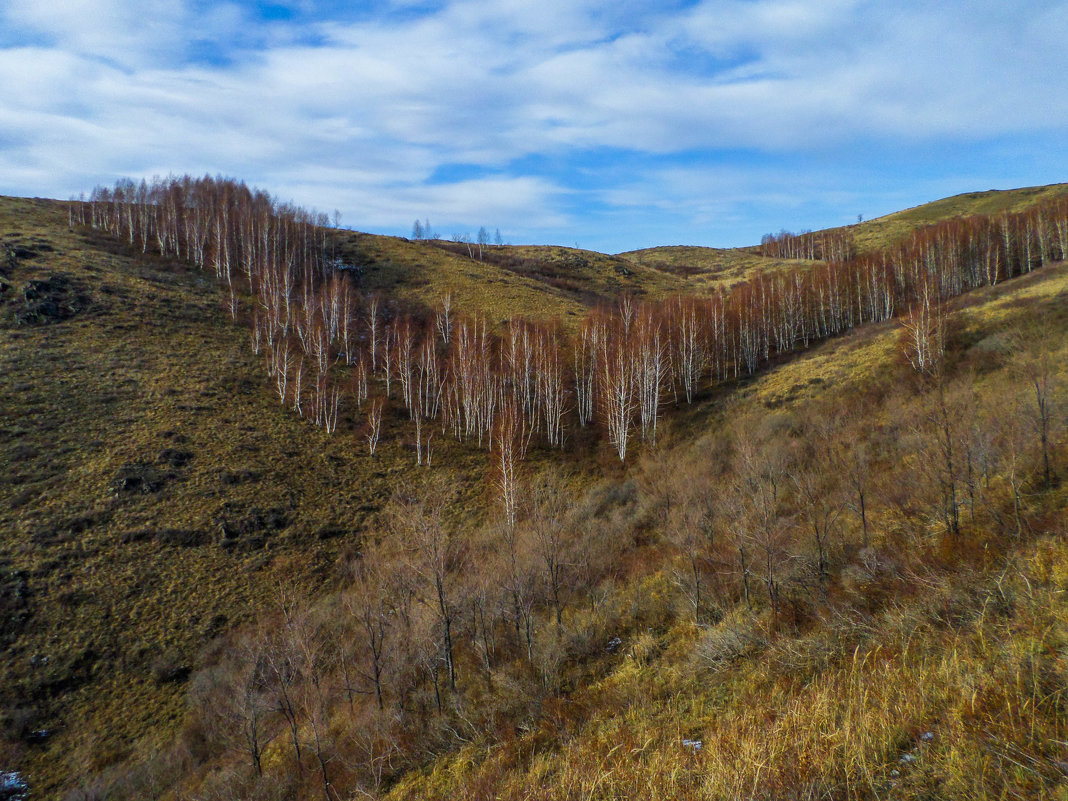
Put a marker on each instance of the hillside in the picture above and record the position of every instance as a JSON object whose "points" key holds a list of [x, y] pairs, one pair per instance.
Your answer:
{"points": [[154, 493], [703, 269], [880, 232], [708, 269], [921, 665], [170, 530], [419, 272]]}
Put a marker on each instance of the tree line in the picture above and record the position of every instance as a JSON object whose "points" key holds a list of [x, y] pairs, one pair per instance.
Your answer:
{"points": [[441, 637], [831, 245], [326, 344]]}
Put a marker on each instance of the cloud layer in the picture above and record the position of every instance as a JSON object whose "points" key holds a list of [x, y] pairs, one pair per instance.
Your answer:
{"points": [[616, 125]]}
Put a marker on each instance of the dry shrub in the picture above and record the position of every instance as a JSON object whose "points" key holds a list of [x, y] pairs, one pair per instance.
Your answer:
{"points": [[738, 636]]}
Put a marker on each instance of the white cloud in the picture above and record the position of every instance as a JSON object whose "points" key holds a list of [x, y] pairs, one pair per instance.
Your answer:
{"points": [[378, 105]]}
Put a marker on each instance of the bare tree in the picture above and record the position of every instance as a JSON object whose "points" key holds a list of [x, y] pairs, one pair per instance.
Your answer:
{"points": [[550, 500], [236, 696], [1041, 377], [374, 424], [436, 556]]}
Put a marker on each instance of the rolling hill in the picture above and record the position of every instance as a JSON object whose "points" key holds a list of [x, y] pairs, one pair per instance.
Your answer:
{"points": [[160, 509]]}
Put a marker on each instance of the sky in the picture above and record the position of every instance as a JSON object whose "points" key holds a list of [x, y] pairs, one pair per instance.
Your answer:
{"points": [[609, 125]]}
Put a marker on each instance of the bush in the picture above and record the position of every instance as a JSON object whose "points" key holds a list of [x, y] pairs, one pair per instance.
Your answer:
{"points": [[735, 638]]}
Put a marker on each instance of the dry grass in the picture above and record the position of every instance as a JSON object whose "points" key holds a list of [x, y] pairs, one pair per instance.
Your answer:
{"points": [[419, 272], [873, 235], [114, 593], [952, 688], [708, 270], [863, 359], [910, 705]]}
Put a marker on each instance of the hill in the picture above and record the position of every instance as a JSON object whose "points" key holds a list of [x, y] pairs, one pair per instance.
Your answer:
{"points": [[707, 270], [154, 493], [768, 580], [422, 273], [882, 232], [921, 664]]}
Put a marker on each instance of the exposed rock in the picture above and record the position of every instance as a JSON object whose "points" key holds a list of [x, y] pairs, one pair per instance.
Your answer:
{"points": [[230, 478], [170, 668], [174, 457], [50, 300], [14, 602], [139, 479], [13, 787]]}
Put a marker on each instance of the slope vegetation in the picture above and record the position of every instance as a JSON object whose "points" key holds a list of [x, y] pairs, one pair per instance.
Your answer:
{"points": [[424, 274], [706, 270], [795, 593], [154, 494], [888, 230], [805, 623]]}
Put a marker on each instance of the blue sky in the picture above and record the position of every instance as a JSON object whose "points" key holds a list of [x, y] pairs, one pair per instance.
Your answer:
{"points": [[610, 125]]}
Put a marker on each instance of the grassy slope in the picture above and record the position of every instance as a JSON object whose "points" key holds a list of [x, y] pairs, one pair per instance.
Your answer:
{"points": [[541, 282], [708, 269], [711, 268], [545, 282], [880, 232], [419, 272], [947, 689], [152, 363], [586, 272]]}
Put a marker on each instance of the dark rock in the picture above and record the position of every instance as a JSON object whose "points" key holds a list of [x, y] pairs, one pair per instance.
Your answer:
{"points": [[14, 603], [138, 479], [56, 677], [254, 522], [216, 626], [248, 530], [230, 478], [50, 300], [13, 787], [169, 668], [140, 535], [174, 457], [37, 736]]}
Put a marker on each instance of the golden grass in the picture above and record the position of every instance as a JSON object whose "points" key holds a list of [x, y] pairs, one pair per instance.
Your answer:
{"points": [[592, 273], [862, 359], [419, 272], [873, 235], [154, 363], [911, 704], [707, 270], [954, 691]]}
